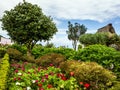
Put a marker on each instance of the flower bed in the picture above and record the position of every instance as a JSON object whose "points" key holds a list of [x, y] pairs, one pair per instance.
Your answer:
{"points": [[27, 76]]}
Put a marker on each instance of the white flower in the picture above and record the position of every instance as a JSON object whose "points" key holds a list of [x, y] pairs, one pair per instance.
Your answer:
{"points": [[28, 88], [17, 83], [33, 81], [19, 73]]}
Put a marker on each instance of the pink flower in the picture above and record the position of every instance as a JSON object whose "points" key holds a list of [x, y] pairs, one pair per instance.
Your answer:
{"points": [[51, 64], [46, 76], [43, 80], [38, 68], [36, 81], [23, 69], [16, 71]]}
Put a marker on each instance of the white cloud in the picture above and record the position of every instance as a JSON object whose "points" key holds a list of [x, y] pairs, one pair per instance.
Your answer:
{"points": [[99, 10], [91, 31], [61, 41]]}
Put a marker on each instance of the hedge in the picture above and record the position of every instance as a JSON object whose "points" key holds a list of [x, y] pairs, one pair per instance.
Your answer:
{"points": [[4, 68]]}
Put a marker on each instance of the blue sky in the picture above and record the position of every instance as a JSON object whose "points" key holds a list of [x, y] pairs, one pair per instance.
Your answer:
{"points": [[93, 14]]}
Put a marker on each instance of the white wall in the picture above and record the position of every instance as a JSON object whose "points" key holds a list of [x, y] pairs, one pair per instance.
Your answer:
{"points": [[5, 41]]}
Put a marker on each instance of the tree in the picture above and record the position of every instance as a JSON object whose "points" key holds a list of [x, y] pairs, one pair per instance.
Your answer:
{"points": [[26, 24], [99, 38], [74, 32]]}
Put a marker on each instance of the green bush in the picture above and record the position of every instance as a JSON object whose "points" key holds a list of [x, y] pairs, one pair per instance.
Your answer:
{"points": [[89, 72], [14, 54], [51, 58], [2, 52], [28, 58], [20, 48], [40, 51], [4, 68], [97, 38], [105, 56]]}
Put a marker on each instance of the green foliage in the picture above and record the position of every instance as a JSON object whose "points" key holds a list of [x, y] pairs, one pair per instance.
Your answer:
{"points": [[2, 52], [14, 54], [51, 58], [105, 56], [97, 38], [27, 58], [19, 47], [26, 24], [4, 69], [39, 51], [90, 72], [74, 32]]}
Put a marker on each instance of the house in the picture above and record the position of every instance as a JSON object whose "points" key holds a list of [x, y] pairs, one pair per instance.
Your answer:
{"points": [[5, 41], [108, 28]]}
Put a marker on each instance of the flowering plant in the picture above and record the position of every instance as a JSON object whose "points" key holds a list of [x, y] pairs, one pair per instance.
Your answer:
{"points": [[27, 76]]}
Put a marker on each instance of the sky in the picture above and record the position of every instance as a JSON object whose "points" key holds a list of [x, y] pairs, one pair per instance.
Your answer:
{"points": [[94, 14]]}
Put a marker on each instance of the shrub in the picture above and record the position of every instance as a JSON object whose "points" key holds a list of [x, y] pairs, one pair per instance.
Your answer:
{"points": [[105, 56], [20, 48], [89, 72], [51, 58], [97, 38], [4, 68], [28, 58], [2, 52], [14, 54], [40, 51]]}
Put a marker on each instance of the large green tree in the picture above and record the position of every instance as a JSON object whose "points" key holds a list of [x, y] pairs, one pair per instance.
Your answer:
{"points": [[74, 32], [26, 24]]}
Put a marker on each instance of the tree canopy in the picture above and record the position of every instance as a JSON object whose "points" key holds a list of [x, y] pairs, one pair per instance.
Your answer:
{"points": [[26, 24], [74, 32]]}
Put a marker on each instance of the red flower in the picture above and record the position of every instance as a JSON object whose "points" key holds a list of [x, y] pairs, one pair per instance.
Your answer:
{"points": [[49, 86], [40, 85], [64, 78], [86, 85], [71, 73], [19, 78], [58, 75]]}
